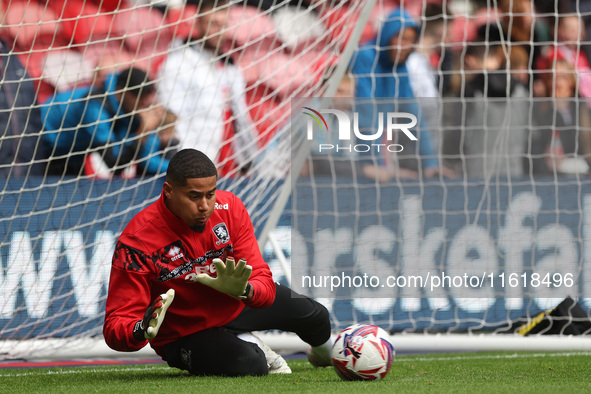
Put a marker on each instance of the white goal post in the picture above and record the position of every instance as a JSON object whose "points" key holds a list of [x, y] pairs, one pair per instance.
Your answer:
{"points": [[250, 71]]}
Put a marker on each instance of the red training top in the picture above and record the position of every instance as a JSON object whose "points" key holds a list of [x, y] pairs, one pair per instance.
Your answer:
{"points": [[158, 251]]}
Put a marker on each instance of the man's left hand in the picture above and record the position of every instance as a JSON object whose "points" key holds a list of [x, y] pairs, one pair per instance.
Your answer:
{"points": [[231, 278]]}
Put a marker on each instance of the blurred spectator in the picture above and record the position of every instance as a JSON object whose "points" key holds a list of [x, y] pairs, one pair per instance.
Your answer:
{"points": [[466, 28], [561, 130], [433, 37], [298, 24], [569, 34], [519, 65], [103, 130], [486, 127], [423, 62], [381, 72], [478, 56], [199, 84], [583, 9], [548, 11], [522, 27], [21, 153]]}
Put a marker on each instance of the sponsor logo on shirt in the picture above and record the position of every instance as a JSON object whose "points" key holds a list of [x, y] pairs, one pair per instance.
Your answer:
{"points": [[175, 253], [221, 206], [190, 267]]}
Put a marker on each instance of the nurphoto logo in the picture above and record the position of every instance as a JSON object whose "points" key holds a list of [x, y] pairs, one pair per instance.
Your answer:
{"points": [[395, 121]]}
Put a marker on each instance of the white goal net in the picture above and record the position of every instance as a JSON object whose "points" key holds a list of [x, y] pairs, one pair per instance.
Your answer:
{"points": [[77, 160]]}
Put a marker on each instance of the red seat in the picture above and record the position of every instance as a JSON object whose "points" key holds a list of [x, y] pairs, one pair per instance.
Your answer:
{"points": [[33, 31], [340, 23], [110, 5], [287, 73], [30, 25], [146, 36], [180, 21], [103, 5], [249, 26], [142, 28], [83, 22]]}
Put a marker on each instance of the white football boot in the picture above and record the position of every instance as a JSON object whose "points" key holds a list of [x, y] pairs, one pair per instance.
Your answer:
{"points": [[319, 356]]}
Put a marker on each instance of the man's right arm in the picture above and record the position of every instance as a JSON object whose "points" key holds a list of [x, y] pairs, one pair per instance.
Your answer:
{"points": [[128, 299]]}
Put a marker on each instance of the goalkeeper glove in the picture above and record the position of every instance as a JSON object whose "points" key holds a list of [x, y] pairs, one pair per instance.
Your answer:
{"points": [[148, 327], [231, 278]]}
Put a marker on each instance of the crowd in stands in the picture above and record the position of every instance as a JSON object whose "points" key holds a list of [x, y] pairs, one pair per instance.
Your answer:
{"points": [[110, 88]]}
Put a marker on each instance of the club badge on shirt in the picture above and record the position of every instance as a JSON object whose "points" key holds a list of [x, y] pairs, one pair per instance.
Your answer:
{"points": [[221, 233]]}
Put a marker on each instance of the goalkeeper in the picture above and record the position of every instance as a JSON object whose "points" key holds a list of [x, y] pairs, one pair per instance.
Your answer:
{"points": [[187, 277]]}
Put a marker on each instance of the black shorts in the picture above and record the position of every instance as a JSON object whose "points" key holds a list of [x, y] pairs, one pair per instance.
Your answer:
{"points": [[218, 351]]}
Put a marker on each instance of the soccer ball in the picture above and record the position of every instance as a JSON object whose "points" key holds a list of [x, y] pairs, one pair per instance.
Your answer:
{"points": [[362, 352]]}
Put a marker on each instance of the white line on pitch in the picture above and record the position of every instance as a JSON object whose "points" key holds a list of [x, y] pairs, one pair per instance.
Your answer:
{"points": [[491, 356], [398, 360], [83, 370]]}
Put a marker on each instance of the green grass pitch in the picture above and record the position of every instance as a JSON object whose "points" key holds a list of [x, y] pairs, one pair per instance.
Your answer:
{"points": [[536, 372]]}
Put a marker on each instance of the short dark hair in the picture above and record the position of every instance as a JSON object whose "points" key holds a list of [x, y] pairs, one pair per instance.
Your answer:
{"points": [[482, 50], [189, 163], [486, 43], [135, 81], [434, 16], [489, 33]]}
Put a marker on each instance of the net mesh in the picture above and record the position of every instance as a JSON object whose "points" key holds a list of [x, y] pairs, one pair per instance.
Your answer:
{"points": [[479, 226], [78, 159]]}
